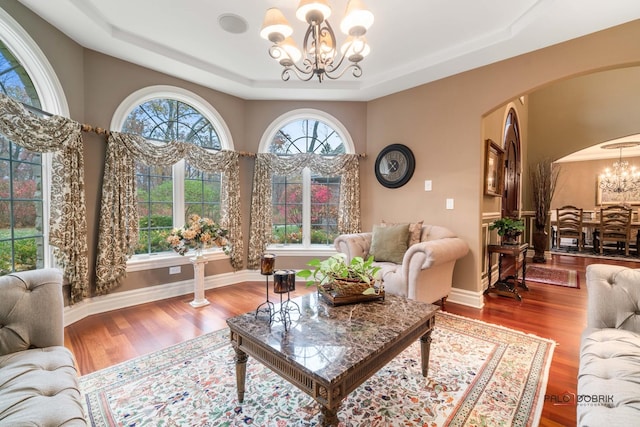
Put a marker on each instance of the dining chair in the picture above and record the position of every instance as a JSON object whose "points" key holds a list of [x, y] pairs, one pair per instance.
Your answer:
{"points": [[569, 225], [615, 226]]}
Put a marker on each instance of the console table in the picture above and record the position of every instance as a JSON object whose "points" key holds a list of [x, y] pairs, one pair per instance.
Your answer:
{"points": [[508, 286]]}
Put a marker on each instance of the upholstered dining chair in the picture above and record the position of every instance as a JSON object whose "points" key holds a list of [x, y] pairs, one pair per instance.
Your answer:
{"points": [[569, 225], [615, 226]]}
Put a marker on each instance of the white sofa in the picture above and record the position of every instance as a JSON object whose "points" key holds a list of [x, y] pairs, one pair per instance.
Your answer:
{"points": [[38, 377], [609, 373], [426, 272]]}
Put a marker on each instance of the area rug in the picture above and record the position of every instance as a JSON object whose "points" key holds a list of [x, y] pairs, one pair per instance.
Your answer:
{"points": [[479, 374], [552, 276]]}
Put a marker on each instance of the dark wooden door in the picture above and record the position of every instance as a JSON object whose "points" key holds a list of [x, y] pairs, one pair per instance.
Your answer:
{"points": [[512, 169]]}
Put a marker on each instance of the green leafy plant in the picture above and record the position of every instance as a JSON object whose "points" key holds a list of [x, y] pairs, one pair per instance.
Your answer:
{"points": [[325, 271], [509, 227]]}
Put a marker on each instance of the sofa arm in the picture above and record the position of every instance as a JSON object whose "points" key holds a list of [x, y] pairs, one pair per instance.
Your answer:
{"points": [[613, 297], [31, 310], [353, 245], [435, 252]]}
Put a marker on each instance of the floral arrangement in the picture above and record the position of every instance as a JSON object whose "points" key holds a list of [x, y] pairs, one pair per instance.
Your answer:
{"points": [[198, 234]]}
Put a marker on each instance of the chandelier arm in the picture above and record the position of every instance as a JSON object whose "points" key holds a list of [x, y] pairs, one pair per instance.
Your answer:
{"points": [[357, 72], [305, 76]]}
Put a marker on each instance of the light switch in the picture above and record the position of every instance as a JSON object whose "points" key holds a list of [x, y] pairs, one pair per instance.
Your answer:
{"points": [[449, 203], [427, 185]]}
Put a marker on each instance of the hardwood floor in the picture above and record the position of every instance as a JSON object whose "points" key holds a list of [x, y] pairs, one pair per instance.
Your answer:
{"points": [[554, 312]]}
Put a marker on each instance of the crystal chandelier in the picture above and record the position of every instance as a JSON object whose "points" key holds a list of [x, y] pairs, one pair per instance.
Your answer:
{"points": [[319, 46], [622, 178]]}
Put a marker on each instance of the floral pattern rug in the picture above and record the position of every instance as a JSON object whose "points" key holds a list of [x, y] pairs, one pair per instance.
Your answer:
{"points": [[479, 374]]}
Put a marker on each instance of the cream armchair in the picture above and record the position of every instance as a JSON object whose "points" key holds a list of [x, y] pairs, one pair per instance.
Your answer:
{"points": [[427, 266]]}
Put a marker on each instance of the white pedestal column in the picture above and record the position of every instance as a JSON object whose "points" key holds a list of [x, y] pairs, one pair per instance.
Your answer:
{"points": [[198, 281]]}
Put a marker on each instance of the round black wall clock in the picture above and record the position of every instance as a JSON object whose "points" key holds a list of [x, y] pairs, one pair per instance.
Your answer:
{"points": [[395, 165]]}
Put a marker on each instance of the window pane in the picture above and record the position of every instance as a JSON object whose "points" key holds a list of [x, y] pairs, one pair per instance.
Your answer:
{"points": [[287, 209], [202, 194], [155, 207], [307, 136], [14, 79], [325, 199]]}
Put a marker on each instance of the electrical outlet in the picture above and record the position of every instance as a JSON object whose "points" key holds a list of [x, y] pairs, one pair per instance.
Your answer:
{"points": [[427, 185], [175, 270]]}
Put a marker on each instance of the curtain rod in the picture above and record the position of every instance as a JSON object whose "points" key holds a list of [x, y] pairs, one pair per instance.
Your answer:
{"points": [[88, 128], [83, 127]]}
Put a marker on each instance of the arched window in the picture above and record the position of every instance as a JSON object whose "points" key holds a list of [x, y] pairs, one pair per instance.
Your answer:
{"points": [[305, 205], [168, 196], [27, 77]]}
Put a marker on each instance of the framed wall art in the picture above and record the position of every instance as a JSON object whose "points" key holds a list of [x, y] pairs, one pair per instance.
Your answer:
{"points": [[493, 169]]}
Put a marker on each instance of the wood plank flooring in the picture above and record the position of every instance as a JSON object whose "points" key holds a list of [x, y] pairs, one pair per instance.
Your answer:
{"points": [[554, 312]]}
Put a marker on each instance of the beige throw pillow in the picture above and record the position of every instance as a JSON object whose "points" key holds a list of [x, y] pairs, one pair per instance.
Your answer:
{"points": [[389, 242], [415, 231]]}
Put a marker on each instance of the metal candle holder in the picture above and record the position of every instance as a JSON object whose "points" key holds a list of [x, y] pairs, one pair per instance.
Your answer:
{"points": [[284, 281], [267, 263]]}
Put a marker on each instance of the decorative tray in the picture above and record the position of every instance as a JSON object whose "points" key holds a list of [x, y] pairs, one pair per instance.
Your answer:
{"points": [[331, 296]]}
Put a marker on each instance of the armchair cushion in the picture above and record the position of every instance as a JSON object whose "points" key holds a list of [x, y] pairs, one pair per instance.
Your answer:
{"points": [[415, 231], [389, 243]]}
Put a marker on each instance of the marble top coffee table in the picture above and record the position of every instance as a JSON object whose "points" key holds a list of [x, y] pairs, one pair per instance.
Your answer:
{"points": [[329, 351]]}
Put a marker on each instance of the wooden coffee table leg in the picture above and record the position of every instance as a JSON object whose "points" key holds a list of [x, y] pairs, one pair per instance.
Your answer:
{"points": [[425, 347], [329, 416], [241, 370]]}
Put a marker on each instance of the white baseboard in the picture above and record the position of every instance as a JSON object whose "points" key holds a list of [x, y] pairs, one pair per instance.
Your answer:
{"points": [[468, 298], [117, 300]]}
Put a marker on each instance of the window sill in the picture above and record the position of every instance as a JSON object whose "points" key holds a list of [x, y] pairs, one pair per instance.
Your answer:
{"points": [[299, 250], [149, 262]]}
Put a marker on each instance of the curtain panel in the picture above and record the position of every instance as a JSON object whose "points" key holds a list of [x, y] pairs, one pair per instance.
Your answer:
{"points": [[68, 212], [268, 164], [118, 232]]}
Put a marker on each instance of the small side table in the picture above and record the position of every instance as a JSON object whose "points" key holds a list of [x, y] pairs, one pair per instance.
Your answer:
{"points": [[508, 286]]}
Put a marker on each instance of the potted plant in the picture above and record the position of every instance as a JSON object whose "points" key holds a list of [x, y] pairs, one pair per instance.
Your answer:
{"points": [[508, 229], [355, 277], [543, 177]]}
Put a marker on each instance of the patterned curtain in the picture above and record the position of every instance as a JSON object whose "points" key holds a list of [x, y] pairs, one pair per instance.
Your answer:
{"points": [[118, 233], [68, 216], [267, 164]]}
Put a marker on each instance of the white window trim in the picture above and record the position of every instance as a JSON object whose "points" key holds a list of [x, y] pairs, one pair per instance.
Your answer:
{"points": [[305, 248], [51, 96], [143, 262]]}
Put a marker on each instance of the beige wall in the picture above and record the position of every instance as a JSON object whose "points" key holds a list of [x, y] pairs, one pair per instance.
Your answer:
{"points": [[442, 122], [573, 114]]}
